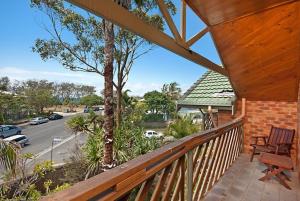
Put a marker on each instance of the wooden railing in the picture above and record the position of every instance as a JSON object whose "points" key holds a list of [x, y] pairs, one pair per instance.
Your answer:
{"points": [[183, 170]]}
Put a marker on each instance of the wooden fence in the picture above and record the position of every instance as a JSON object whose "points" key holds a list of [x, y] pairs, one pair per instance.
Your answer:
{"points": [[184, 170]]}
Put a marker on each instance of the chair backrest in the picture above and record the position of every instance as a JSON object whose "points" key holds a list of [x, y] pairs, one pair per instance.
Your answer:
{"points": [[280, 135]]}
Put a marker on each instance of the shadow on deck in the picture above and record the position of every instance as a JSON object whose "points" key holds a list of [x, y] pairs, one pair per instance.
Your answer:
{"points": [[240, 182]]}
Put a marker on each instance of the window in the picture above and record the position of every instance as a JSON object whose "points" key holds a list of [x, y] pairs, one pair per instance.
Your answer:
{"points": [[5, 128], [12, 127], [20, 138]]}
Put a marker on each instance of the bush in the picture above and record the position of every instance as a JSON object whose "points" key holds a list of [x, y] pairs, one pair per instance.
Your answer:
{"points": [[153, 117], [182, 127], [130, 142]]}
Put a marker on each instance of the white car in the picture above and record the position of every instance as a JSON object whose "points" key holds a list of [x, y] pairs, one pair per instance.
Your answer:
{"points": [[153, 134], [38, 120], [19, 139]]}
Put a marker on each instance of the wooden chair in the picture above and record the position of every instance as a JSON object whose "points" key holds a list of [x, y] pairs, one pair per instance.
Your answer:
{"points": [[279, 142]]}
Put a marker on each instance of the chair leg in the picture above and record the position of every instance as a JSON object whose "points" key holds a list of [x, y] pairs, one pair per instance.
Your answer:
{"points": [[252, 155]]}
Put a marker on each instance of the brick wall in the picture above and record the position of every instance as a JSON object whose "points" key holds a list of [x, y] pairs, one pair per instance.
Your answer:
{"points": [[225, 116], [298, 158], [260, 115]]}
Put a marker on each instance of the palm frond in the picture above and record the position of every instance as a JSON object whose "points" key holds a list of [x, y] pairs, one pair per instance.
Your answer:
{"points": [[9, 156]]}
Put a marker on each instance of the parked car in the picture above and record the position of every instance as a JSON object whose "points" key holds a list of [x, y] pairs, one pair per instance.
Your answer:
{"points": [[86, 110], [153, 134], [95, 109], [9, 130], [22, 140], [38, 120], [55, 116]]}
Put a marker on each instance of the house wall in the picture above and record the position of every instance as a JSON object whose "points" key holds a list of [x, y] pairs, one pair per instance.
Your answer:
{"points": [[298, 113], [225, 116], [260, 115]]}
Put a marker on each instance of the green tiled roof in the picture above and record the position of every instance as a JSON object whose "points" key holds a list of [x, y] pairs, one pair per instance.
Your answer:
{"points": [[211, 89]]}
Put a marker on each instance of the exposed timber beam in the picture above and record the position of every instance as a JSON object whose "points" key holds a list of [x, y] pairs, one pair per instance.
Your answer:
{"points": [[196, 37], [183, 20], [120, 16], [164, 10]]}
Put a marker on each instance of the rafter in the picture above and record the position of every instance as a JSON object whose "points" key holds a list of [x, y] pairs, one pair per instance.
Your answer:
{"points": [[196, 37], [183, 20], [164, 10], [120, 16]]}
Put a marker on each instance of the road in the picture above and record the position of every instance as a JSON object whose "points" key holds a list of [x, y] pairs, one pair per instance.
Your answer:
{"points": [[40, 136]]}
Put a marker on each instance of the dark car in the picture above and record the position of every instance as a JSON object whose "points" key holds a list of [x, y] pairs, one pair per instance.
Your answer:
{"points": [[86, 110], [55, 116], [96, 108]]}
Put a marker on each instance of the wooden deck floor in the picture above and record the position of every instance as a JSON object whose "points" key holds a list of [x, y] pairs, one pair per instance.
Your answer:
{"points": [[241, 183]]}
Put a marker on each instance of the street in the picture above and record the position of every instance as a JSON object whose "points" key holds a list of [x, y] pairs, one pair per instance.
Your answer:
{"points": [[40, 136]]}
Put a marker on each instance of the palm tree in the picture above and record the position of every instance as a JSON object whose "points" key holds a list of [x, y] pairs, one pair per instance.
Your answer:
{"points": [[172, 90], [9, 154], [109, 39]]}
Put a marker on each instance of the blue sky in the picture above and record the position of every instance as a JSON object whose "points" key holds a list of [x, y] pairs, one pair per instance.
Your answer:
{"points": [[21, 25]]}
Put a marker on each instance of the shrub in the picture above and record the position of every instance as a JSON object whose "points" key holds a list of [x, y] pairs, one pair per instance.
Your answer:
{"points": [[153, 117], [182, 127]]}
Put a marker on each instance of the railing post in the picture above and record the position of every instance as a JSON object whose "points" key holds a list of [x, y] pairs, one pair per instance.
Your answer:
{"points": [[190, 175]]}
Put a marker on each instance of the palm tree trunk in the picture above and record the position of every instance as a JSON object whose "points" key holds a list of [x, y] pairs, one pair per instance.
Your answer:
{"points": [[108, 93]]}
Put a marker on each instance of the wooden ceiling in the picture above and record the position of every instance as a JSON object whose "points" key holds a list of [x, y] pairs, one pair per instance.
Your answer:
{"points": [[259, 44]]}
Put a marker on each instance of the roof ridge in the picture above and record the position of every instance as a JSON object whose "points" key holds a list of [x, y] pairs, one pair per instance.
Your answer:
{"points": [[195, 84]]}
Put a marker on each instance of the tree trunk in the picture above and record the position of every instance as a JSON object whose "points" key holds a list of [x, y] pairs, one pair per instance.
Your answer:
{"points": [[108, 93], [119, 103]]}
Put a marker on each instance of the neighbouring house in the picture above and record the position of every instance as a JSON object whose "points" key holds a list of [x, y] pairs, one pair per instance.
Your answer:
{"points": [[214, 91]]}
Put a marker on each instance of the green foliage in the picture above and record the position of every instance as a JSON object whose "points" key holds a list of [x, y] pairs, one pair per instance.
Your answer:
{"points": [[182, 127], [153, 117], [77, 123], [93, 150], [2, 120], [10, 104], [130, 142], [172, 90], [61, 187], [159, 102], [32, 193], [91, 100], [4, 84], [9, 156], [39, 94], [42, 168], [47, 185]]}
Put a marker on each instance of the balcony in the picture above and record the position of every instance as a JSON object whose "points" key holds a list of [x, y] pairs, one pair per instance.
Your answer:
{"points": [[185, 169], [205, 166], [259, 46], [240, 182]]}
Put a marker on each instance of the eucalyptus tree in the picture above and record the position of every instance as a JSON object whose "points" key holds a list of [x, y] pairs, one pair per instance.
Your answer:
{"points": [[4, 83], [83, 42]]}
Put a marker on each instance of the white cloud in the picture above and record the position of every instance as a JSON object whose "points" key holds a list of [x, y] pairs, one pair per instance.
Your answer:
{"points": [[75, 77], [14, 73]]}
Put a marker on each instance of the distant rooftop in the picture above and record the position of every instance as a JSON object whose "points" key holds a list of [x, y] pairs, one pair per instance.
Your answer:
{"points": [[212, 89]]}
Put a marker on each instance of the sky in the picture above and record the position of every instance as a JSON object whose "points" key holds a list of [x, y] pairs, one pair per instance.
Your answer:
{"points": [[21, 25]]}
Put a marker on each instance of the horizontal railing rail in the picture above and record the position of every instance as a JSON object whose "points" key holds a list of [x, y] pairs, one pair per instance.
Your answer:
{"points": [[183, 170]]}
